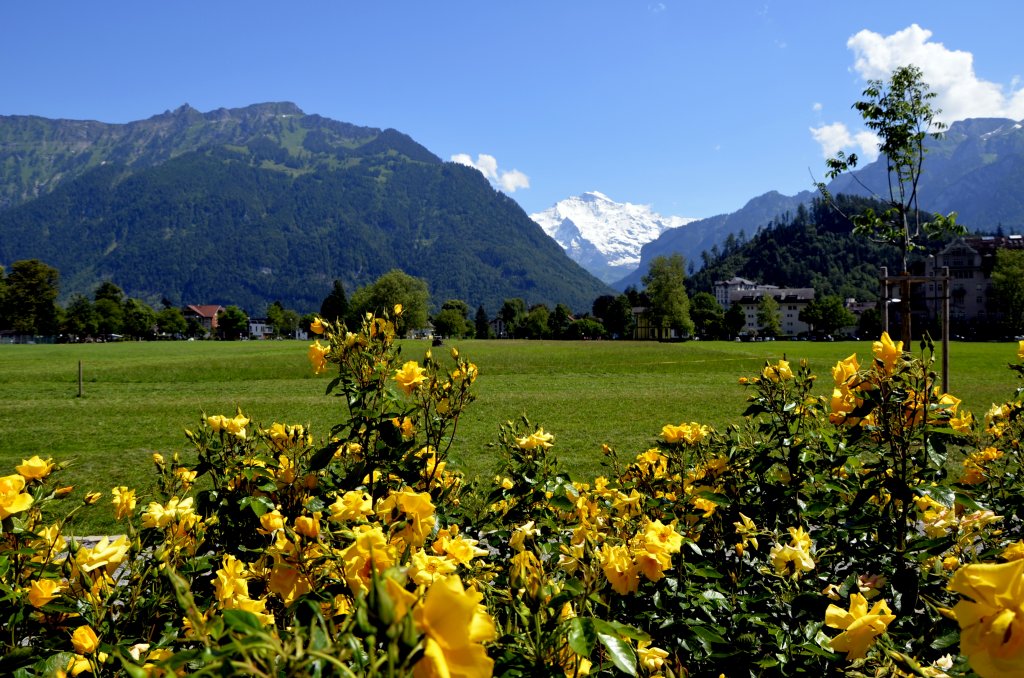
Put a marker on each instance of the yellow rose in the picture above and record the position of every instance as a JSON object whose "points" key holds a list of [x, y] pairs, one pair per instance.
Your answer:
{"points": [[308, 526], [12, 499], [318, 356], [887, 352], [456, 625], [317, 326], [1020, 350], [860, 626], [780, 371], [124, 502], [845, 370], [43, 591], [991, 626], [106, 553], [84, 640], [35, 468], [535, 440], [410, 376], [272, 521]]}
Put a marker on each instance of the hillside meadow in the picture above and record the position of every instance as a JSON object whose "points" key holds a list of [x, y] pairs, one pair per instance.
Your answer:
{"points": [[139, 397]]}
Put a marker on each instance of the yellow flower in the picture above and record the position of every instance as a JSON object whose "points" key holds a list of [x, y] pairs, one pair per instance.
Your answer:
{"points": [[992, 624], [1014, 551], [684, 433], [456, 626], [780, 371], [887, 351], [519, 535], [231, 582], [92, 497], [317, 326], [35, 468], [124, 502], [318, 356], [410, 376], [352, 505], [651, 658], [84, 640], [43, 591], [1020, 350], [425, 568], [661, 538], [622, 573], [12, 499], [106, 554], [846, 370], [535, 440], [272, 520], [236, 425], [789, 560], [860, 626], [414, 511], [308, 526]]}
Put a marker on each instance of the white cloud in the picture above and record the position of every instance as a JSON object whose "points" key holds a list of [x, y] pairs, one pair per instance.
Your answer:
{"points": [[816, 107], [837, 137], [508, 180], [959, 92]]}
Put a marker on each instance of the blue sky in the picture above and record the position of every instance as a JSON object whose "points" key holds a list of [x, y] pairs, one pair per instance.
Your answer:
{"points": [[690, 107]]}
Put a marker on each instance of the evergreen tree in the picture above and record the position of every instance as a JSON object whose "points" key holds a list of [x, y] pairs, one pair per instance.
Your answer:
{"points": [[483, 323], [335, 305], [559, 321]]}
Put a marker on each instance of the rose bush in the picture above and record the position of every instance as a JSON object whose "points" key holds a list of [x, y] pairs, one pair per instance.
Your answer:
{"points": [[874, 531]]}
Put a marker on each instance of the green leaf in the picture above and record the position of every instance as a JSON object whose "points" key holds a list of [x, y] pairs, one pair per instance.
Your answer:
{"points": [[706, 634], [242, 621], [614, 628], [948, 640], [620, 652], [582, 636]]}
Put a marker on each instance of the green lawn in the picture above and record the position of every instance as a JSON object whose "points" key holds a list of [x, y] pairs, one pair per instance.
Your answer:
{"points": [[138, 397]]}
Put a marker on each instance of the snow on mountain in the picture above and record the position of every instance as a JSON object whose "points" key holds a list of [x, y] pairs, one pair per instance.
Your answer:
{"points": [[604, 236]]}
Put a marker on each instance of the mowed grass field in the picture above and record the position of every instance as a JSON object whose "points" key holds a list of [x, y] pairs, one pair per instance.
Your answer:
{"points": [[139, 397]]}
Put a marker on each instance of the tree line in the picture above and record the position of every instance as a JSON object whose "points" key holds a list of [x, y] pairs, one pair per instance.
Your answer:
{"points": [[29, 292]]}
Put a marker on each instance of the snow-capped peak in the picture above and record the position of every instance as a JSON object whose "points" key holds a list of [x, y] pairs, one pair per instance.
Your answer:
{"points": [[602, 235]]}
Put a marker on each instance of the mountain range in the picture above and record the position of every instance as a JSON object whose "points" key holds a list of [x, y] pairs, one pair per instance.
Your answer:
{"points": [[602, 235], [975, 169], [250, 205]]}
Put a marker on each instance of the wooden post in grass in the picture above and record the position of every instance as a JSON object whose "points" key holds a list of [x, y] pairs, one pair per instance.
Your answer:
{"points": [[79, 378]]}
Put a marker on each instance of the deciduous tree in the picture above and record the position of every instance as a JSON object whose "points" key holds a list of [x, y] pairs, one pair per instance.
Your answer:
{"points": [[768, 316], [232, 323], [827, 315], [393, 288], [30, 298], [665, 284], [1008, 287]]}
